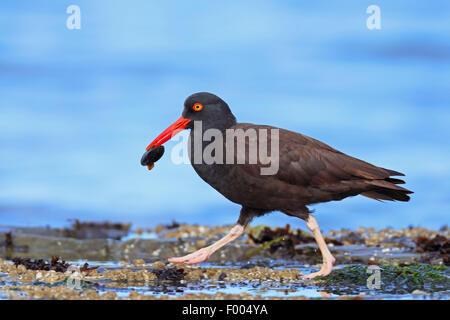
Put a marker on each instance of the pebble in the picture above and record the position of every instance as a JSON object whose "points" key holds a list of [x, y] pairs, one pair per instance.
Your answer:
{"points": [[139, 263], [158, 265], [419, 292]]}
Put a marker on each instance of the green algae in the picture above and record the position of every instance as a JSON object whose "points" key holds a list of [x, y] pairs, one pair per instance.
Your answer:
{"points": [[393, 279]]}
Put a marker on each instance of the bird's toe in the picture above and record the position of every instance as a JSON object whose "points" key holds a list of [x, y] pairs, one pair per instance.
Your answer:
{"points": [[195, 257], [324, 271]]}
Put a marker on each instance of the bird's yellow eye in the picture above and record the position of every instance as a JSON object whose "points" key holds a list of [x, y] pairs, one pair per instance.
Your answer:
{"points": [[197, 106]]}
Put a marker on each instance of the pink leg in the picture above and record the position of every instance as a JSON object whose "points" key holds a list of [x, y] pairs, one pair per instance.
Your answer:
{"points": [[203, 254], [328, 259]]}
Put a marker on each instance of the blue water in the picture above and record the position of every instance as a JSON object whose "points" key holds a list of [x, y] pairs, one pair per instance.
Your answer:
{"points": [[78, 107]]}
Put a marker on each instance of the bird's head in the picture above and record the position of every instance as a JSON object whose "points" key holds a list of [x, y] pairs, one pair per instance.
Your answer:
{"points": [[206, 107]]}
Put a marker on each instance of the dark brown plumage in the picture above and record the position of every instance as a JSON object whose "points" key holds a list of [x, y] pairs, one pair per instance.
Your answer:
{"points": [[309, 172]]}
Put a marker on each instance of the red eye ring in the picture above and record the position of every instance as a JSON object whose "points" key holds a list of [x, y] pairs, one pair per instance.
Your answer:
{"points": [[197, 106]]}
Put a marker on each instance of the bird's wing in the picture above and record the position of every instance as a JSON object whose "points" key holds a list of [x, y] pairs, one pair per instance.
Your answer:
{"points": [[304, 161]]}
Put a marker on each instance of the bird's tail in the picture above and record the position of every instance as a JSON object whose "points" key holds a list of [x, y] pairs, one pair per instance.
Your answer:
{"points": [[388, 189]]}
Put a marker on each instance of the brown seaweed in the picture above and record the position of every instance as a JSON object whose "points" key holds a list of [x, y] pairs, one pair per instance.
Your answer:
{"points": [[40, 264], [170, 274], [437, 247], [282, 241]]}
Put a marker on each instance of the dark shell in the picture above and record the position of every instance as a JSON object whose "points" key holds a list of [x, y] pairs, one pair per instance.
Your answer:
{"points": [[152, 155]]}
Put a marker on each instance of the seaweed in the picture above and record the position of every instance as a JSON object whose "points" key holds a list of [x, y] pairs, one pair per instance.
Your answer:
{"points": [[437, 247], [86, 267], [393, 279], [55, 264], [269, 244], [438, 243], [174, 225], [281, 240], [170, 274], [222, 276], [8, 241]]}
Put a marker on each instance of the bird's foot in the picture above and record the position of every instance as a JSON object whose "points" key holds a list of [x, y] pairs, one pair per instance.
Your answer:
{"points": [[324, 271], [194, 257]]}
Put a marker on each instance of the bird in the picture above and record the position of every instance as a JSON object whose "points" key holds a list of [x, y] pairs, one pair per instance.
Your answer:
{"points": [[307, 172]]}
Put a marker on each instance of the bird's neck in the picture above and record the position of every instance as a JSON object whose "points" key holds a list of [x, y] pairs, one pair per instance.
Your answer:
{"points": [[221, 124], [198, 143]]}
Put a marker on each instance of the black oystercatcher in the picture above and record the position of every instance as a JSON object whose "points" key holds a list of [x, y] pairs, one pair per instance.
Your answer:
{"points": [[307, 171]]}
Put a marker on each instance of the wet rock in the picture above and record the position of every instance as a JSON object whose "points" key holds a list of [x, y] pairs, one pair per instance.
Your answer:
{"points": [[9, 246], [96, 230], [362, 254], [109, 296], [352, 238], [399, 242], [250, 265], [138, 262], [419, 292], [186, 231], [158, 265], [159, 228], [128, 275]]}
